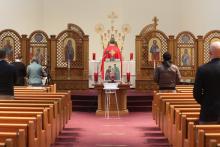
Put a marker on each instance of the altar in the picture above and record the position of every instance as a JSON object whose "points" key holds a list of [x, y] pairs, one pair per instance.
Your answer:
{"points": [[122, 99], [128, 66]]}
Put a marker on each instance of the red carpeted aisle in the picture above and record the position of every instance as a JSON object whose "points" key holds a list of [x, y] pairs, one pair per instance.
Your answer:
{"points": [[138, 129]]}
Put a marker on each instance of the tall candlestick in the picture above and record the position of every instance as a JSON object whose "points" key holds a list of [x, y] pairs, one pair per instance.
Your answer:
{"points": [[68, 64], [154, 64], [93, 56], [131, 56]]}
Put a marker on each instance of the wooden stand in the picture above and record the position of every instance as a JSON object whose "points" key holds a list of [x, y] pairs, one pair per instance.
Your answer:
{"points": [[122, 100]]}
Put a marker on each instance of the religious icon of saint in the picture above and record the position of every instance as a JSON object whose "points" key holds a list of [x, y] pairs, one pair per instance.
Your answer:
{"points": [[69, 51], [39, 56], [155, 51], [108, 72], [185, 58], [9, 49], [116, 71]]}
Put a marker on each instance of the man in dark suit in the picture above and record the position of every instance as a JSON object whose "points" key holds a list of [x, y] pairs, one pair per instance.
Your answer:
{"points": [[207, 87], [20, 70], [7, 77]]}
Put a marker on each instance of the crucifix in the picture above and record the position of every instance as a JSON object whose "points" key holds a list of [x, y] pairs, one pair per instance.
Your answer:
{"points": [[112, 17], [155, 20]]}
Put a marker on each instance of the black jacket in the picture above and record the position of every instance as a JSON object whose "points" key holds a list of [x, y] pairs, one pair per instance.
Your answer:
{"points": [[7, 78], [207, 90], [20, 72]]}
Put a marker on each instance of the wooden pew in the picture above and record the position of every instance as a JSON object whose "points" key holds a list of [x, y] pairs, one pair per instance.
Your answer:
{"points": [[7, 143], [13, 139], [66, 97], [27, 128], [181, 124], [46, 124], [63, 101], [204, 138], [185, 120], [159, 96], [58, 115], [162, 105], [193, 132], [213, 143], [39, 139], [169, 115], [170, 121]]}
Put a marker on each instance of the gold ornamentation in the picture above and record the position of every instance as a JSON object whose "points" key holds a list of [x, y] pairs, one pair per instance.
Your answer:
{"points": [[118, 35]]}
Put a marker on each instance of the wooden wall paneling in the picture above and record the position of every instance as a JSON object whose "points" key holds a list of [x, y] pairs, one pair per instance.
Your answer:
{"points": [[209, 37], [70, 74], [53, 55], [200, 50], [24, 46], [86, 57], [186, 52], [171, 47]]}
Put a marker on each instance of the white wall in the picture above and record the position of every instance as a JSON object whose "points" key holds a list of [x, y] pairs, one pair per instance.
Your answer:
{"points": [[24, 16], [52, 16], [199, 16], [87, 14]]}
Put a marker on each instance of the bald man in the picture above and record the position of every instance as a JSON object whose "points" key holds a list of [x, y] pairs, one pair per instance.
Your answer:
{"points": [[207, 87]]}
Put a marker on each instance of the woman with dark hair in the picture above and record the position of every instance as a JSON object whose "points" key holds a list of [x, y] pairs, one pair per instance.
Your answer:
{"points": [[167, 75]]}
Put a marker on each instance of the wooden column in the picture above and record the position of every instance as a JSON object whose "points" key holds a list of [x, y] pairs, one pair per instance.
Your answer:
{"points": [[138, 56], [86, 57], [24, 52], [53, 55], [200, 50], [171, 48]]}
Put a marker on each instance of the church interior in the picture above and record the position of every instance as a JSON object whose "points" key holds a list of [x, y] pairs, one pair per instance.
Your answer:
{"points": [[100, 57]]}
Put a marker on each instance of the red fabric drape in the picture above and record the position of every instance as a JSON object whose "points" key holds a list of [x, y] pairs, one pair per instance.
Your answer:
{"points": [[111, 52]]}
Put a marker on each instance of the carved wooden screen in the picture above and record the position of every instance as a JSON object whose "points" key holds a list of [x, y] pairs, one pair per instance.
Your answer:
{"points": [[186, 54], [71, 64], [11, 41], [208, 38], [147, 42], [75, 36], [38, 47], [145, 60]]}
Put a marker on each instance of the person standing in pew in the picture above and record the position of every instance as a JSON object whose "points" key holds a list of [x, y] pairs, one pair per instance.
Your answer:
{"points": [[167, 75], [7, 77], [206, 89], [20, 70], [35, 73]]}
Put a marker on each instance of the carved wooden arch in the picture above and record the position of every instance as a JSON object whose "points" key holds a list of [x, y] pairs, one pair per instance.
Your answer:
{"points": [[39, 39], [16, 42], [76, 34], [186, 41], [208, 38], [75, 28]]}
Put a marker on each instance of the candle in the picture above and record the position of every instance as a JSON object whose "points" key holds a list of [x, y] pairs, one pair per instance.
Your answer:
{"points": [[68, 64], [154, 64], [128, 75], [128, 66], [96, 76], [93, 56], [131, 56]]}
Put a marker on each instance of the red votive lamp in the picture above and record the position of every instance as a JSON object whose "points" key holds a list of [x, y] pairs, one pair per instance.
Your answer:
{"points": [[131, 56], [96, 76], [128, 75], [93, 56]]}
